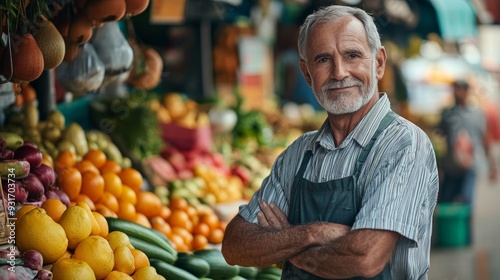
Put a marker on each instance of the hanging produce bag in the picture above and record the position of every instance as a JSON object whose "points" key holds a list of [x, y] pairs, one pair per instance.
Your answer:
{"points": [[82, 75], [113, 49]]}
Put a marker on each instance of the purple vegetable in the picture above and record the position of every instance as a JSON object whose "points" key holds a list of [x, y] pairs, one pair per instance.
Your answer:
{"points": [[29, 153], [30, 143], [15, 188], [34, 187], [51, 194], [6, 253], [44, 274], [33, 259], [63, 197], [6, 154], [45, 174], [20, 193], [21, 272]]}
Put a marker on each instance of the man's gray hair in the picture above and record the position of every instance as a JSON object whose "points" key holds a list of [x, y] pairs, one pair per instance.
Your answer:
{"points": [[333, 13]]}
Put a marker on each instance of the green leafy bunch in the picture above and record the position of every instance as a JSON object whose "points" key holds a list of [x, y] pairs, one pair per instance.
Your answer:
{"points": [[23, 16]]}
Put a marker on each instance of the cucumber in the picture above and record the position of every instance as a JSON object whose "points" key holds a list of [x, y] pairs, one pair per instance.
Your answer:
{"points": [[149, 235], [192, 264], [248, 272], [267, 276], [14, 169], [12, 140], [169, 271], [237, 277], [219, 268], [270, 270], [152, 251]]}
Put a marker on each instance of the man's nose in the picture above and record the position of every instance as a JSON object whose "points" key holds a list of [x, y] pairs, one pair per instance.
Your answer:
{"points": [[339, 70]]}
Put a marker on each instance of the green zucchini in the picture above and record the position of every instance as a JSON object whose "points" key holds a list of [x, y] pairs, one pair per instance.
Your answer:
{"points": [[169, 271], [270, 270], [248, 272], [152, 251], [192, 264], [219, 268], [149, 235]]}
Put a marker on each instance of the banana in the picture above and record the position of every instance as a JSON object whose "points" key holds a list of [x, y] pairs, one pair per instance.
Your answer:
{"points": [[14, 169], [13, 140]]}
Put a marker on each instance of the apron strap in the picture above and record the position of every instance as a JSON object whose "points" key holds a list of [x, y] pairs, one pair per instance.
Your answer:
{"points": [[386, 121]]}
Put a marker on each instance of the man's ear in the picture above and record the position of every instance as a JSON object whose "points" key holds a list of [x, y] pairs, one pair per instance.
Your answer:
{"points": [[381, 58], [303, 68]]}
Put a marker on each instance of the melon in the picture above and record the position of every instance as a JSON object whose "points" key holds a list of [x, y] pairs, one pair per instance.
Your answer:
{"points": [[51, 44]]}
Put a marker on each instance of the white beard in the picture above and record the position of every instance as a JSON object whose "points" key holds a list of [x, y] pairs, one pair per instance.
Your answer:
{"points": [[345, 103]]}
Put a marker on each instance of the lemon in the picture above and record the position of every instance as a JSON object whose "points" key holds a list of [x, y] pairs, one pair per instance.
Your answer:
{"points": [[36, 230], [103, 224], [77, 225], [72, 269], [118, 238], [96, 252], [23, 210], [96, 229], [145, 273], [117, 275], [124, 260]]}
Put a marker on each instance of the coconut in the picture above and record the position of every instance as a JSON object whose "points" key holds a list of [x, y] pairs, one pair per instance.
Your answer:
{"points": [[27, 59], [99, 11], [51, 44], [71, 51], [135, 7], [80, 30]]}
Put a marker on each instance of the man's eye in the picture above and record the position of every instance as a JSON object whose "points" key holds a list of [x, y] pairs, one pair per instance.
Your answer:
{"points": [[323, 60], [353, 55]]}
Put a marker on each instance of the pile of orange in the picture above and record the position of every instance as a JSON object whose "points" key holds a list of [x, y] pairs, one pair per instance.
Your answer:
{"points": [[106, 187], [189, 227], [113, 191]]}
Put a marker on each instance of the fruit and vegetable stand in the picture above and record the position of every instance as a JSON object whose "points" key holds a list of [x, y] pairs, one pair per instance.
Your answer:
{"points": [[141, 195], [80, 206], [143, 185]]}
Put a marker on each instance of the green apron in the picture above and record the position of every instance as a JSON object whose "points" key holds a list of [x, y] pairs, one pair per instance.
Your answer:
{"points": [[335, 201]]}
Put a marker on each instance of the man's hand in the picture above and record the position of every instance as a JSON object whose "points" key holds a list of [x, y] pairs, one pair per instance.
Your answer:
{"points": [[271, 216]]}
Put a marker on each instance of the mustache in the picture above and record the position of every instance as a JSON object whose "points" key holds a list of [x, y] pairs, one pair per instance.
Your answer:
{"points": [[341, 84]]}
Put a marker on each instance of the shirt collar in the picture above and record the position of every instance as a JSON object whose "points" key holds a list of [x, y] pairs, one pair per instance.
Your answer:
{"points": [[363, 131]]}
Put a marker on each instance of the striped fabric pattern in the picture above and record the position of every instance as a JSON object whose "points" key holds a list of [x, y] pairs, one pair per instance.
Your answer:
{"points": [[398, 182]]}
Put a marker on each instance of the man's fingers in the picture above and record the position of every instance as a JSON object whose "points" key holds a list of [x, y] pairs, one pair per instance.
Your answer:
{"points": [[273, 215], [282, 219], [261, 218]]}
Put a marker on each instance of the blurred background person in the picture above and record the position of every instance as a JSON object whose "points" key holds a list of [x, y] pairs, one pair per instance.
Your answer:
{"points": [[464, 127]]}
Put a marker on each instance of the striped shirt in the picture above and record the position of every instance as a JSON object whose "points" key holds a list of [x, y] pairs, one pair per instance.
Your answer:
{"points": [[398, 182]]}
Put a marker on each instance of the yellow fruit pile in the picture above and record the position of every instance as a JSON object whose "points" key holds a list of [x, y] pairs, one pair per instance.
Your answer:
{"points": [[78, 245]]}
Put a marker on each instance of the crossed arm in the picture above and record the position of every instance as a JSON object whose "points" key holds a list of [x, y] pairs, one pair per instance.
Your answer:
{"points": [[325, 249]]}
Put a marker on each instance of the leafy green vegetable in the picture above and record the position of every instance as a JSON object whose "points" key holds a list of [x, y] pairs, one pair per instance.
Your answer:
{"points": [[137, 125]]}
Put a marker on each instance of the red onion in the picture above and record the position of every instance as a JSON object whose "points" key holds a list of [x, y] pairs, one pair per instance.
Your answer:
{"points": [[30, 143], [31, 154], [51, 194], [19, 192], [33, 259], [6, 154], [63, 197], [45, 174], [44, 274], [34, 187]]}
